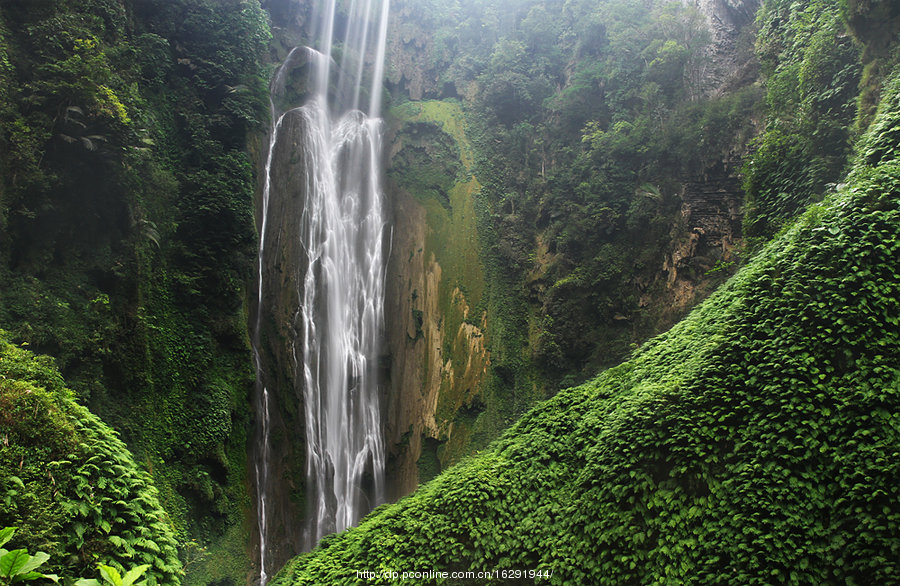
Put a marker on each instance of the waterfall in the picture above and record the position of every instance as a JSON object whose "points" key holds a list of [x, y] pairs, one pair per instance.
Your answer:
{"points": [[323, 169]]}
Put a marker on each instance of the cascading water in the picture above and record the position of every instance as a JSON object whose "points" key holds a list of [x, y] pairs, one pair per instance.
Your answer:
{"points": [[326, 153]]}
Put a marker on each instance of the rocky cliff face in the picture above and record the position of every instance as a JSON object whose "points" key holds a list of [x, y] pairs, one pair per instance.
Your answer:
{"points": [[706, 239], [435, 329], [278, 339], [728, 57]]}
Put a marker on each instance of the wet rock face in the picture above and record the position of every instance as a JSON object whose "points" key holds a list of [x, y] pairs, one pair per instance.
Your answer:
{"points": [[436, 371], [284, 265], [404, 331], [434, 335]]}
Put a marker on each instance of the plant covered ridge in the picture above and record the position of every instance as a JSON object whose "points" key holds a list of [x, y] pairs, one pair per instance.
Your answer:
{"points": [[756, 441], [127, 234]]}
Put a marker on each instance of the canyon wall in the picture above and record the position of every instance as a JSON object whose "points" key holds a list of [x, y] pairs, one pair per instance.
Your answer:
{"points": [[445, 396]]}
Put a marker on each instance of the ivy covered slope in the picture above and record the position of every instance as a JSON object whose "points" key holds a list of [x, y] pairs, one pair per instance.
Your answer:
{"points": [[758, 440], [126, 225], [69, 483]]}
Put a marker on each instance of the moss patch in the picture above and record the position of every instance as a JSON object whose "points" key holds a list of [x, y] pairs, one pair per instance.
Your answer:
{"points": [[433, 160]]}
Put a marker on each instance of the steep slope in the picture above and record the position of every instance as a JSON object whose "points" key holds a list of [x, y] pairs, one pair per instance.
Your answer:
{"points": [[69, 483], [757, 440]]}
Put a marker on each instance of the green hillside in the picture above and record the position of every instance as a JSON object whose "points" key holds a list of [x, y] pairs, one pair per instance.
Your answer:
{"points": [[127, 236]]}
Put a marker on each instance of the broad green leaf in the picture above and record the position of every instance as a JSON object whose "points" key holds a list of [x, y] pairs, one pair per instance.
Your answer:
{"points": [[36, 560], [111, 575], [23, 576], [133, 574], [6, 534], [87, 582], [13, 562]]}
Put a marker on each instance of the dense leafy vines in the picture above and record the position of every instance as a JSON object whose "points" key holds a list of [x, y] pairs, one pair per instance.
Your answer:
{"points": [[70, 484]]}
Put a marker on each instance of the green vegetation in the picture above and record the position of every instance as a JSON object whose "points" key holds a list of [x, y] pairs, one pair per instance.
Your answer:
{"points": [[812, 69], [69, 484], [573, 109], [756, 440], [126, 227], [18, 565], [111, 576]]}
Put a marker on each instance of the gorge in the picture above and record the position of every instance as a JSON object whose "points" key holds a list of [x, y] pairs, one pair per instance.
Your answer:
{"points": [[601, 291]]}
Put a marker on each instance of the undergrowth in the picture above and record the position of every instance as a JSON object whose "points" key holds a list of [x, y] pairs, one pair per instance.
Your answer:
{"points": [[68, 482]]}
